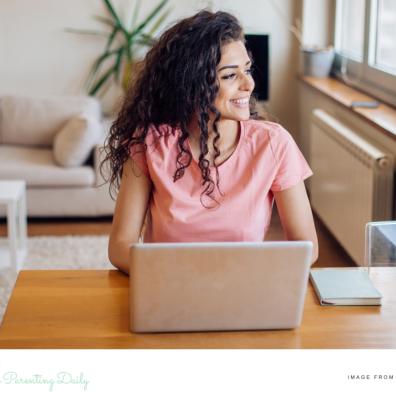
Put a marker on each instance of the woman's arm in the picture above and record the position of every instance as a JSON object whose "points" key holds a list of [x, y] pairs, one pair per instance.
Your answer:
{"points": [[129, 214], [296, 216]]}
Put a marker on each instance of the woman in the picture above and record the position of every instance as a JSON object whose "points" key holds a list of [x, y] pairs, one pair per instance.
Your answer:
{"points": [[186, 150]]}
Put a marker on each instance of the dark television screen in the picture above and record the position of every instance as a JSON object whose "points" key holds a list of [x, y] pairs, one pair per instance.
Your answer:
{"points": [[258, 45]]}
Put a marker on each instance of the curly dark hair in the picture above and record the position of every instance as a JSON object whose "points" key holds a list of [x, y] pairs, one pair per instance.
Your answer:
{"points": [[176, 80]]}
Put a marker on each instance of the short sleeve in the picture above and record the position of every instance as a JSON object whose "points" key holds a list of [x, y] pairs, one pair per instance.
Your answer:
{"points": [[291, 164], [138, 155]]}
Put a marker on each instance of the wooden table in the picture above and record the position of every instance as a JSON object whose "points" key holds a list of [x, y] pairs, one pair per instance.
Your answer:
{"points": [[90, 309]]}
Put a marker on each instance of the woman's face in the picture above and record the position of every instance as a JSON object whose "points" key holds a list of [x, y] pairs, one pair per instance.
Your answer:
{"points": [[235, 82]]}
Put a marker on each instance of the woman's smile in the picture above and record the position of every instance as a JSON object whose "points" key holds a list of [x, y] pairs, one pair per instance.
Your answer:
{"points": [[241, 102]]}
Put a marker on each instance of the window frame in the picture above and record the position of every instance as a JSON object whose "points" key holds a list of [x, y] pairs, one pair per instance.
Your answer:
{"points": [[363, 75]]}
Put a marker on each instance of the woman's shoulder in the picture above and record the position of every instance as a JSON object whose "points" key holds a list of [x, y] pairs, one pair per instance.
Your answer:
{"points": [[263, 131], [162, 130], [161, 135]]}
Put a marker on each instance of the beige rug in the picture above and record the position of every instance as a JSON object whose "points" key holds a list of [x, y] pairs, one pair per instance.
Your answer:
{"points": [[50, 252]]}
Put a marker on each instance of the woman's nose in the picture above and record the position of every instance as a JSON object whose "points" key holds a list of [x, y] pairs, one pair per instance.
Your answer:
{"points": [[247, 83]]}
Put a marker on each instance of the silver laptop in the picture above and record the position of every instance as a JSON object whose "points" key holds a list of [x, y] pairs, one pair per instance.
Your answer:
{"points": [[218, 286]]}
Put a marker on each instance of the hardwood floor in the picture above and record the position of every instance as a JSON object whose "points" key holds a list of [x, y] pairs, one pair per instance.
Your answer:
{"points": [[331, 254], [65, 226]]}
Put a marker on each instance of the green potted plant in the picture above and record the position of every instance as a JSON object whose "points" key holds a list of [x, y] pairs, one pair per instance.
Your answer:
{"points": [[117, 60]]}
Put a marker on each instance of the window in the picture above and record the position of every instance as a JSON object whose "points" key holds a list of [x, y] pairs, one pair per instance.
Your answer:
{"points": [[386, 35], [365, 43], [352, 37]]}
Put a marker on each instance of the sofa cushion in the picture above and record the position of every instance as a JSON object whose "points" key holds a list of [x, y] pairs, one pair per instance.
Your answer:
{"points": [[34, 121], [37, 167], [75, 141]]}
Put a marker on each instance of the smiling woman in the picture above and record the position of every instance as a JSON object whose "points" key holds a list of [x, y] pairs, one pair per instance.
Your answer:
{"points": [[236, 82], [188, 151]]}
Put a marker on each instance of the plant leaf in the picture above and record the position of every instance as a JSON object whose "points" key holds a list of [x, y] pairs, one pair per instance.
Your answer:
{"points": [[99, 76], [117, 66], [98, 63], [111, 37], [135, 13], [88, 32], [146, 39], [115, 16], [102, 81], [106, 21], [152, 15], [159, 22]]}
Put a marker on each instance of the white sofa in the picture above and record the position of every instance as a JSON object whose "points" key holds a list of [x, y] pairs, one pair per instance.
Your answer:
{"points": [[53, 143]]}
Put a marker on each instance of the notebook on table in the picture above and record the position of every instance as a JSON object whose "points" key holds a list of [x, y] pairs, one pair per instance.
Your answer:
{"points": [[218, 286], [344, 286]]}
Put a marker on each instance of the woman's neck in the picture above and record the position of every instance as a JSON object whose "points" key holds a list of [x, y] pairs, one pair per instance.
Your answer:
{"points": [[228, 140], [228, 130]]}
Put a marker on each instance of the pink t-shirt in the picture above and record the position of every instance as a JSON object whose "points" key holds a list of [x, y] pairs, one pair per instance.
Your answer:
{"points": [[266, 159]]}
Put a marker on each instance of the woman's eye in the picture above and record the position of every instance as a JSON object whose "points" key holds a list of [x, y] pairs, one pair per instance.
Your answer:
{"points": [[228, 76], [232, 75]]}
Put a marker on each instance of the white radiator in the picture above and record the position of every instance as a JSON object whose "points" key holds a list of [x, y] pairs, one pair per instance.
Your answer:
{"points": [[352, 182]]}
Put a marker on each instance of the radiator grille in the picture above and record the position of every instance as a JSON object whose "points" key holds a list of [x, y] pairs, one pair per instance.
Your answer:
{"points": [[352, 182]]}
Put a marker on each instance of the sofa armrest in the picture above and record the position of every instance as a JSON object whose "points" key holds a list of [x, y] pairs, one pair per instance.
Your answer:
{"points": [[99, 154], [98, 157]]}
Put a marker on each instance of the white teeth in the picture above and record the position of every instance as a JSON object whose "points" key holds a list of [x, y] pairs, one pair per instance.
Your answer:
{"points": [[240, 101]]}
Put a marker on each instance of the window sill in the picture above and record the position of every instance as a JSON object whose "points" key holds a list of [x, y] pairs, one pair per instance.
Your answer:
{"points": [[383, 117]]}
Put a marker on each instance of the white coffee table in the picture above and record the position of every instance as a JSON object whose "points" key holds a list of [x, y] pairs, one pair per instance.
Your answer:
{"points": [[14, 248]]}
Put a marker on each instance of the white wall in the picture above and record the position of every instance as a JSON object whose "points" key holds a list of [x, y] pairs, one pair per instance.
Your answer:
{"points": [[317, 18], [38, 57]]}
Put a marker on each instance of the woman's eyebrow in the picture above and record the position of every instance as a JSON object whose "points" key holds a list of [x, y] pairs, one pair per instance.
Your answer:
{"points": [[233, 66]]}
